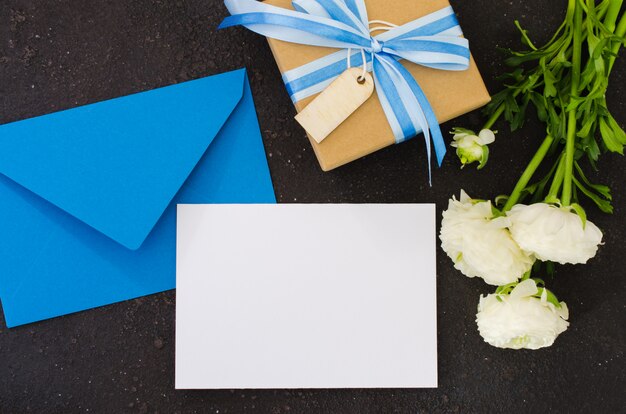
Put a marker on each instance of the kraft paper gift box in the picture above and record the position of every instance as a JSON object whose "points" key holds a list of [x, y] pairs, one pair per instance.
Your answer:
{"points": [[450, 93]]}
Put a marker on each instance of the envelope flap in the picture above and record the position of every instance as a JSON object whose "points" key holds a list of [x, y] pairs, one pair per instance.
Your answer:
{"points": [[117, 164]]}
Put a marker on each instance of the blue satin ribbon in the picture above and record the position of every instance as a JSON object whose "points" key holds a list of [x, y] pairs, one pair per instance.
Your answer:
{"points": [[433, 40]]}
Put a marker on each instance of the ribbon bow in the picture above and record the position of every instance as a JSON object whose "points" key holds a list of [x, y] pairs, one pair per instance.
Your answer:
{"points": [[433, 41]]}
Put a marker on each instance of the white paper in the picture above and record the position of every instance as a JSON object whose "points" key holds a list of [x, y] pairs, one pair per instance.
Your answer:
{"points": [[306, 296]]}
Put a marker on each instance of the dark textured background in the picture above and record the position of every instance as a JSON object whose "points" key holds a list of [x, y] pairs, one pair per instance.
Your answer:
{"points": [[58, 54]]}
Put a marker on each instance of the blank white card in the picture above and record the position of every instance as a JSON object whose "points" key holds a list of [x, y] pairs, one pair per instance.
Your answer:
{"points": [[306, 296]]}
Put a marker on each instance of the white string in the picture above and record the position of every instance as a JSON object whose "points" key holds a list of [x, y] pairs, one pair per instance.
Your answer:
{"points": [[386, 26], [362, 76], [386, 23]]}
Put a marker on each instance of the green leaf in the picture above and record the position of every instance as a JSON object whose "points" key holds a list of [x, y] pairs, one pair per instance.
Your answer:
{"points": [[510, 108], [540, 104], [506, 289], [603, 205], [497, 212], [485, 158], [501, 200], [603, 190], [585, 130], [574, 102], [525, 39], [619, 133], [581, 213], [591, 148], [520, 117], [611, 141], [587, 76], [550, 297], [549, 83], [532, 188]]}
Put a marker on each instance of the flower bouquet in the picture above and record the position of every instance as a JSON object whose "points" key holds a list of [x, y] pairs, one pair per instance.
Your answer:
{"points": [[512, 241]]}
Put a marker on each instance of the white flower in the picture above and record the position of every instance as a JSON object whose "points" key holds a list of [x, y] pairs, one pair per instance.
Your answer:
{"points": [[554, 233], [471, 147], [519, 319], [479, 244]]}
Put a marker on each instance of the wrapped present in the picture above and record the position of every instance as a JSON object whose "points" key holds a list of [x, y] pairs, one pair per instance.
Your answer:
{"points": [[423, 70]]}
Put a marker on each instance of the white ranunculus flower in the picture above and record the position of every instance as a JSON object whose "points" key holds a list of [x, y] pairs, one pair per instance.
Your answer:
{"points": [[519, 319], [554, 233], [471, 147], [481, 245]]}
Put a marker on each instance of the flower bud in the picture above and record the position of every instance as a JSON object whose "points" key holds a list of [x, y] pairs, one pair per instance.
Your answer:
{"points": [[472, 148]]}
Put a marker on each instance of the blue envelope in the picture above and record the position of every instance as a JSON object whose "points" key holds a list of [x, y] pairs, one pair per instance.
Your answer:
{"points": [[88, 196]]}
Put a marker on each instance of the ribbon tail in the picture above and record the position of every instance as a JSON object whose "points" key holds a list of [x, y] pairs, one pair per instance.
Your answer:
{"points": [[401, 105], [406, 106], [429, 113]]}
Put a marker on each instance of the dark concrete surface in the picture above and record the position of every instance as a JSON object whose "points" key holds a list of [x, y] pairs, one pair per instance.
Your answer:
{"points": [[58, 54]]}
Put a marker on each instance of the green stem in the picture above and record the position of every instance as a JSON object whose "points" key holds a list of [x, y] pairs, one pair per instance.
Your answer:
{"points": [[602, 9], [494, 117], [528, 173], [557, 181], [612, 14], [571, 121], [620, 31], [569, 158]]}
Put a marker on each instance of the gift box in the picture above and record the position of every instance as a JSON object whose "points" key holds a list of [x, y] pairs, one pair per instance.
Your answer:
{"points": [[450, 93]]}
